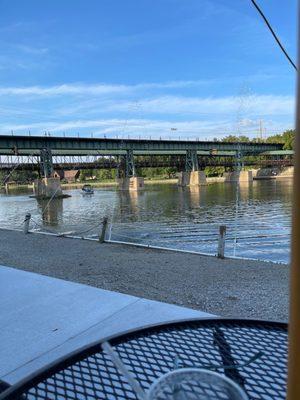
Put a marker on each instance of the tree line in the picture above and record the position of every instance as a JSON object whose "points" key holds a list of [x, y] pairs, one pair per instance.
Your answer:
{"points": [[287, 138]]}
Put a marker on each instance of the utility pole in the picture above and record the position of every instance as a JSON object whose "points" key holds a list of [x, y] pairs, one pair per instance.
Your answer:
{"points": [[261, 129]]}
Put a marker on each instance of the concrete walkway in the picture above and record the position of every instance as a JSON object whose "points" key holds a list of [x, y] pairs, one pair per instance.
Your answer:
{"points": [[44, 318], [231, 288]]}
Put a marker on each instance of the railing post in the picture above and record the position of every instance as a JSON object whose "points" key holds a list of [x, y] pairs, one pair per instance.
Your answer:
{"points": [[26, 222], [103, 231], [221, 241]]}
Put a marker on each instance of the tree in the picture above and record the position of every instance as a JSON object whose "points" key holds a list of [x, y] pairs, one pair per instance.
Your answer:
{"points": [[287, 138], [232, 138], [19, 176], [171, 172], [2, 177]]}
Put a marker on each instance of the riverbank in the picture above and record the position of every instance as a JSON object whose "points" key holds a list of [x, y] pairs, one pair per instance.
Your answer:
{"points": [[231, 288], [258, 174], [112, 183], [79, 185], [95, 184]]}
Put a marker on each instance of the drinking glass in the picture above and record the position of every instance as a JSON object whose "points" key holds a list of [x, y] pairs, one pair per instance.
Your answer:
{"points": [[195, 384]]}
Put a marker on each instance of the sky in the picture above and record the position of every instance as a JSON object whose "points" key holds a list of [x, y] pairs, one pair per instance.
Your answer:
{"points": [[139, 68]]}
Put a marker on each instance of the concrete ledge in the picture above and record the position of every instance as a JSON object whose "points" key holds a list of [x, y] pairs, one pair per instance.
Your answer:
{"points": [[273, 173], [44, 318]]}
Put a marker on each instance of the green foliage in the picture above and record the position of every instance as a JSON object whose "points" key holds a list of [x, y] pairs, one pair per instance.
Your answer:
{"points": [[97, 174], [86, 174], [287, 138], [214, 171], [18, 176], [2, 177], [152, 172], [234, 139], [171, 172], [105, 174]]}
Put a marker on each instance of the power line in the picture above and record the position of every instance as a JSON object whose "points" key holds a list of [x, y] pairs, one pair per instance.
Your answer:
{"points": [[274, 34]]}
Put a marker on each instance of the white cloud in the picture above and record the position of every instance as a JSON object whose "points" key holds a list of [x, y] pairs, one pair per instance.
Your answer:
{"points": [[166, 104], [115, 127], [112, 109], [95, 89], [108, 125], [259, 105], [60, 90], [31, 49]]}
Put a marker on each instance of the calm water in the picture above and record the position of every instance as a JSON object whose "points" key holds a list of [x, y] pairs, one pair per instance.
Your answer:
{"points": [[165, 215]]}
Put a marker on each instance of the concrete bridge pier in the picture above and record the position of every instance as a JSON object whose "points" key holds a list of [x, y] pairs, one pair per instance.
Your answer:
{"points": [[192, 176], [198, 178], [134, 183], [183, 178], [45, 188], [239, 176], [48, 186], [130, 181]]}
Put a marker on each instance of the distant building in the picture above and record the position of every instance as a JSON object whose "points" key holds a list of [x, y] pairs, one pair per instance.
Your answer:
{"points": [[69, 176], [58, 174]]}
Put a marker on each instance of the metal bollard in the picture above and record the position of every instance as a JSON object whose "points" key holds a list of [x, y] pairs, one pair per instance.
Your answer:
{"points": [[103, 231], [221, 241], [26, 222]]}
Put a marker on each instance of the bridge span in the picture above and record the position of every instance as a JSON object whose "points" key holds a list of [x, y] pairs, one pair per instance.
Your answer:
{"points": [[29, 145], [126, 152], [221, 159]]}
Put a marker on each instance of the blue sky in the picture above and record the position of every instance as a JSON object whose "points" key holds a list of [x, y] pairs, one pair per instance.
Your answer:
{"points": [[206, 68]]}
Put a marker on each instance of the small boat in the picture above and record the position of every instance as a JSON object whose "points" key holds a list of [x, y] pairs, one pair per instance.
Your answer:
{"points": [[87, 189]]}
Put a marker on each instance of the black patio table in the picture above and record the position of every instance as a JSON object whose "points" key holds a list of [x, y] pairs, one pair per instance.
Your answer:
{"points": [[252, 353]]}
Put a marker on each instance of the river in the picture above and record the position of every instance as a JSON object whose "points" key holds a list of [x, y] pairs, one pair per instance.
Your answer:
{"points": [[258, 220]]}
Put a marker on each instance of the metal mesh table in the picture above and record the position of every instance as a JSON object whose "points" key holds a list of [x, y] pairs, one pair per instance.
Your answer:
{"points": [[252, 353]]}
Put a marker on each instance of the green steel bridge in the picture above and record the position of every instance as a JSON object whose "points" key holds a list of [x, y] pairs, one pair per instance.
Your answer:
{"points": [[28, 145], [195, 153]]}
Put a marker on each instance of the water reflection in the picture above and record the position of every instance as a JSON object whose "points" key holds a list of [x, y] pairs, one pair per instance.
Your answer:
{"points": [[130, 204], [165, 215], [197, 195], [51, 212]]}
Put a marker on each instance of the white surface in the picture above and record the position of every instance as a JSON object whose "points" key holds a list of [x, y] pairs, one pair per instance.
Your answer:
{"points": [[43, 318]]}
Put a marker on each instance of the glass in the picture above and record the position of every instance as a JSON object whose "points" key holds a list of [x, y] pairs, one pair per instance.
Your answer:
{"points": [[195, 384]]}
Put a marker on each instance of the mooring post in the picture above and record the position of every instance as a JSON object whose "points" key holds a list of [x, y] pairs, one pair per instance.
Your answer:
{"points": [[221, 241], [103, 231], [26, 222]]}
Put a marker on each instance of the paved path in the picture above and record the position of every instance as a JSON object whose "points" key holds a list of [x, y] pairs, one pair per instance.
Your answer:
{"points": [[43, 318], [237, 288]]}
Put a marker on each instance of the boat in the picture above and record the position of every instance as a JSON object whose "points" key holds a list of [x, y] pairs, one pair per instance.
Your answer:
{"points": [[87, 189]]}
